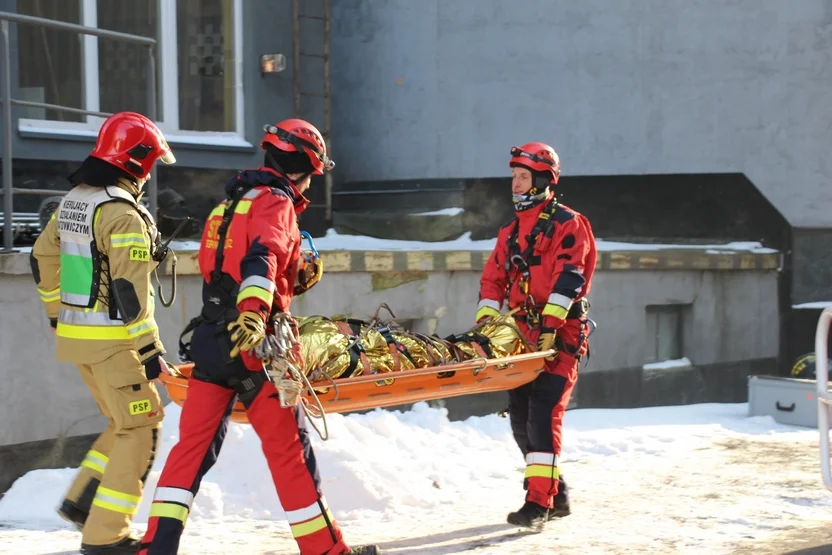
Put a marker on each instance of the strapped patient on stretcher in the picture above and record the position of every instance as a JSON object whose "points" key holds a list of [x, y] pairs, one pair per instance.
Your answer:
{"points": [[348, 364], [342, 347]]}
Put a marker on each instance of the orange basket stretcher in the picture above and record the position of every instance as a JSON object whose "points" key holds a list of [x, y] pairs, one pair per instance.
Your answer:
{"points": [[372, 391]]}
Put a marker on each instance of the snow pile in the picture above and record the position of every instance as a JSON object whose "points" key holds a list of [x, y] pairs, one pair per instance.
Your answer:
{"points": [[396, 468], [414, 482], [813, 305], [334, 241], [683, 362], [443, 212]]}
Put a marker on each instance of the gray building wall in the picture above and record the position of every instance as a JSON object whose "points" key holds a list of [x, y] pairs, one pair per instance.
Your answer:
{"points": [[440, 89]]}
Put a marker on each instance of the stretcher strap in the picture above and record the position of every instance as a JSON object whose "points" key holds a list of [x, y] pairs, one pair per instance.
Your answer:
{"points": [[394, 352], [436, 357], [345, 328], [477, 342], [397, 350], [480, 351]]}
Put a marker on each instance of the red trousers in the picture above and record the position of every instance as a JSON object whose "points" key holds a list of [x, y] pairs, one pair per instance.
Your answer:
{"points": [[289, 454], [536, 412]]}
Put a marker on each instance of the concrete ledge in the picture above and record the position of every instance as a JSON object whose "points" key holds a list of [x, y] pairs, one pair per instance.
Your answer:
{"points": [[725, 382], [17, 460], [15, 264], [453, 261]]}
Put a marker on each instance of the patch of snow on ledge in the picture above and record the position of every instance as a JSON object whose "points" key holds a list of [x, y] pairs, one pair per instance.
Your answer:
{"points": [[683, 362]]}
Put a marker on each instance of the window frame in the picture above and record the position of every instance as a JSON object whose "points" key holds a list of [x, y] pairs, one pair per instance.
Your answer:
{"points": [[167, 106], [652, 342]]}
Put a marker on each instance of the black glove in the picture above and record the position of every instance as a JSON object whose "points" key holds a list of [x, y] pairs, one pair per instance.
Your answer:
{"points": [[153, 367], [53, 323]]}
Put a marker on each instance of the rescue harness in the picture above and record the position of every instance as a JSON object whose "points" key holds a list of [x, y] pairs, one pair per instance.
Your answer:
{"points": [[522, 261], [220, 303], [220, 308]]}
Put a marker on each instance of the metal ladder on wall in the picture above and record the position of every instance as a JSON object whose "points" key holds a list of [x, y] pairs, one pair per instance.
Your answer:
{"points": [[824, 396], [313, 91]]}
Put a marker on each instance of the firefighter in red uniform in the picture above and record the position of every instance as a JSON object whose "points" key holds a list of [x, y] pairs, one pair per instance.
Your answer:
{"points": [[249, 257], [542, 264]]}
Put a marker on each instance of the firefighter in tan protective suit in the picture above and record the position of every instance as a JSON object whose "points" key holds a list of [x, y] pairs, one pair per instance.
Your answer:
{"points": [[92, 265]]}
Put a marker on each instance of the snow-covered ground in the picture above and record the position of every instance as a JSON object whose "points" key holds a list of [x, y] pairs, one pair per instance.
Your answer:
{"points": [[699, 479]]}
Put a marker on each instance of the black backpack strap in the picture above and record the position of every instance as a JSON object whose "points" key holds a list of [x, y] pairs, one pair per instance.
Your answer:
{"points": [[227, 216], [545, 224], [513, 245], [221, 288]]}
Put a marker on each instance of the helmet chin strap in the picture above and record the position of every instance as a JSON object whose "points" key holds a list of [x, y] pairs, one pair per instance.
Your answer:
{"points": [[299, 179], [273, 163], [276, 167]]}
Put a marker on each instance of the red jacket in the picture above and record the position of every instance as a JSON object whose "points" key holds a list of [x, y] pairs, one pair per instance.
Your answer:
{"points": [[262, 245], [560, 268]]}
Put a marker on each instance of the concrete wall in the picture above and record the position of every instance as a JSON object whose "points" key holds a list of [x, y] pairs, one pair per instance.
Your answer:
{"points": [[435, 89], [733, 318]]}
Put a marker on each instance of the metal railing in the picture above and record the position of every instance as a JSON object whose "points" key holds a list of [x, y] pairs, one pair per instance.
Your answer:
{"points": [[7, 101], [823, 394]]}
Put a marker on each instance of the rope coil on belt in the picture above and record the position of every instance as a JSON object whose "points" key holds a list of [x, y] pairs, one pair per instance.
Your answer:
{"points": [[277, 353]]}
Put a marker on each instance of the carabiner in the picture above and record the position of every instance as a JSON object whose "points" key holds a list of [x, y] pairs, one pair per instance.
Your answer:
{"points": [[315, 255], [519, 262]]}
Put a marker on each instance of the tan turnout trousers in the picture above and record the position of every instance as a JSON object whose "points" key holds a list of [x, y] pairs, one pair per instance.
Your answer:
{"points": [[111, 479]]}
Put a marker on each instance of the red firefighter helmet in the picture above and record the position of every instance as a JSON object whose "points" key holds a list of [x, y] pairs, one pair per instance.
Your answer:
{"points": [[538, 157], [297, 135], [133, 143]]}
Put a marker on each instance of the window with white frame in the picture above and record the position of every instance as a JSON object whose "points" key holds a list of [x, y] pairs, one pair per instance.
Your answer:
{"points": [[198, 74]]}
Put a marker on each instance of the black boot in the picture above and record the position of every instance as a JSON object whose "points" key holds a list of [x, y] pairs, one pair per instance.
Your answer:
{"points": [[530, 515], [364, 550], [561, 502], [128, 546], [72, 514]]}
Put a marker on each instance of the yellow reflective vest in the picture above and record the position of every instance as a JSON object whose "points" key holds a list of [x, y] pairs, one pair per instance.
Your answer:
{"points": [[92, 265]]}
